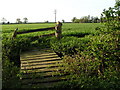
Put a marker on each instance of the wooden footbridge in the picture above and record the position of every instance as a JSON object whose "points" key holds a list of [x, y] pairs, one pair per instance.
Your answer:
{"points": [[39, 69]]}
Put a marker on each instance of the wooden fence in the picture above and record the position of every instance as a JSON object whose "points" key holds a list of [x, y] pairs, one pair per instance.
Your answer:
{"points": [[58, 31]]}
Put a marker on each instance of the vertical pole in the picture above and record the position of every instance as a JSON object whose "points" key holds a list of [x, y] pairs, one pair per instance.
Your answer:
{"points": [[58, 29], [55, 15]]}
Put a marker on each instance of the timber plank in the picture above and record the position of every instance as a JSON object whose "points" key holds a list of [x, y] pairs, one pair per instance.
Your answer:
{"points": [[38, 69]]}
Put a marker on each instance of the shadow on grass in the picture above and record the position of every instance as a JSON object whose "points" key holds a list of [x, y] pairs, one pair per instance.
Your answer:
{"points": [[77, 34]]}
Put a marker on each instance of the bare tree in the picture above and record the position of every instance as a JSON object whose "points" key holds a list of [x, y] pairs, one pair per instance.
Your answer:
{"points": [[3, 20], [63, 20], [25, 20], [74, 18], [18, 20]]}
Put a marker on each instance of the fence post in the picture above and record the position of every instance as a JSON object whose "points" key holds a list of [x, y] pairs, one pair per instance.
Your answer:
{"points": [[58, 29], [15, 33]]}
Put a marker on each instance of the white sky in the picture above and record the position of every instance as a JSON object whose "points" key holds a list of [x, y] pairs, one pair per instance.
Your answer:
{"points": [[42, 10]]}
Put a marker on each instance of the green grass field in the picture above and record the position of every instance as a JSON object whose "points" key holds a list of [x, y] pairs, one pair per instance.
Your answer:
{"points": [[67, 28]]}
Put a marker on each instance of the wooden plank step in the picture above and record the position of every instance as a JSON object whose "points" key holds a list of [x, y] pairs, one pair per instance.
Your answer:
{"points": [[32, 57], [40, 60], [41, 70], [42, 63], [36, 58], [38, 66], [39, 57]]}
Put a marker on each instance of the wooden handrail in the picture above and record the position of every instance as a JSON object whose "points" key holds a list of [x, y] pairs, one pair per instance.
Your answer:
{"points": [[36, 30], [15, 33], [58, 32]]}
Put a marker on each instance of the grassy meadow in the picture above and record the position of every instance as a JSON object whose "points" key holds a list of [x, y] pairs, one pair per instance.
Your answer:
{"points": [[67, 29]]}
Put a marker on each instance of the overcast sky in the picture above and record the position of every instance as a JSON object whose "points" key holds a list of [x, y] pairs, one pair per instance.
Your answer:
{"points": [[43, 10]]}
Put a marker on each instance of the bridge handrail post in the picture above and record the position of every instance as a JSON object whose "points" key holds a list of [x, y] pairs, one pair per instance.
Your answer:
{"points": [[58, 29], [15, 33]]}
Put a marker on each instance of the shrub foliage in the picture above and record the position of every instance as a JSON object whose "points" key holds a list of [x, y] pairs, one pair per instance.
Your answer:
{"points": [[96, 63]]}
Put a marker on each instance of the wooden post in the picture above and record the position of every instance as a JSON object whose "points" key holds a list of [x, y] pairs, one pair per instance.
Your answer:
{"points": [[15, 33], [58, 29]]}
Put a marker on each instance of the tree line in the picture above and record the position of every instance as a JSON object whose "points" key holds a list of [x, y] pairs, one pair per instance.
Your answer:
{"points": [[86, 19], [18, 20]]}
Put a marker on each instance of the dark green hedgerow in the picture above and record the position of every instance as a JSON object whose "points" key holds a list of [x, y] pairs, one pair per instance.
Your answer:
{"points": [[11, 50], [97, 64], [11, 60], [96, 67], [69, 45]]}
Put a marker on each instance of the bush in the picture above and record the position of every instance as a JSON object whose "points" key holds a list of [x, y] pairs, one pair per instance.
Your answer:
{"points": [[97, 63], [9, 75], [68, 45]]}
